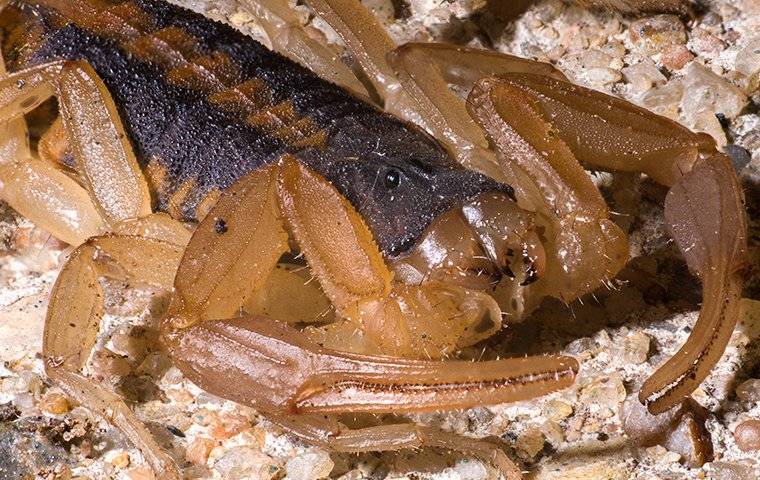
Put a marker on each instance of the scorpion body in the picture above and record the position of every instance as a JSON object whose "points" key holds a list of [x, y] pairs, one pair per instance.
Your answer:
{"points": [[203, 105], [189, 157]]}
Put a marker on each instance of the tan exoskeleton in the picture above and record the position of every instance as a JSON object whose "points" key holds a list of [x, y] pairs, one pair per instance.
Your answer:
{"points": [[392, 317]]}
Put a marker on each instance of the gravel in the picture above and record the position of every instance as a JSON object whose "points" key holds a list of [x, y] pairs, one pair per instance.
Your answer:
{"points": [[702, 71]]}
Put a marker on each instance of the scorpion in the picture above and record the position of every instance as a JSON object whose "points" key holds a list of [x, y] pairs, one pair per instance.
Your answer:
{"points": [[190, 157]]}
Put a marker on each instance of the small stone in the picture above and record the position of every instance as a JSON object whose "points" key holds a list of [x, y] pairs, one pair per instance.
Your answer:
{"points": [[198, 451], [675, 57], [643, 76], [247, 463], [310, 465], [141, 473], [664, 100], [120, 460], [558, 410], [729, 471], [554, 433], [651, 35], [681, 429], [604, 395], [228, 425], [55, 404], [705, 43], [530, 443], [748, 63], [471, 470], [747, 435], [635, 348], [660, 454], [749, 391], [706, 91]]}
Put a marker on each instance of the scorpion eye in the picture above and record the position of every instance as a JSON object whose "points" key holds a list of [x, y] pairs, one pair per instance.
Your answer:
{"points": [[392, 179]]}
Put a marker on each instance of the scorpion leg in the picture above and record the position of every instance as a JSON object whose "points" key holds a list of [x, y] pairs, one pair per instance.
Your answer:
{"points": [[114, 195], [269, 365], [704, 207], [288, 37], [73, 321]]}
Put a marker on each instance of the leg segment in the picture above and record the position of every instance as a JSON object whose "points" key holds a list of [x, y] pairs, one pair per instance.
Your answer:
{"points": [[107, 167], [332, 435], [287, 37], [73, 321]]}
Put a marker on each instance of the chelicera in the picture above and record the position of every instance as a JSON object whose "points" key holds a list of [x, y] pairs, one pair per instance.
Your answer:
{"points": [[189, 157]]}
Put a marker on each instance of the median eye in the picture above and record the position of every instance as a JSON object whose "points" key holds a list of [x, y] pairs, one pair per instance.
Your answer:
{"points": [[392, 179]]}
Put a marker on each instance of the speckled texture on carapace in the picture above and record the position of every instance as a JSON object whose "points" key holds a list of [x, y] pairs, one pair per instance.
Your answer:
{"points": [[203, 105]]}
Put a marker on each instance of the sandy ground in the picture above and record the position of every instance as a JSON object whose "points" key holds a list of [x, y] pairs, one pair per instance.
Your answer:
{"points": [[687, 69]]}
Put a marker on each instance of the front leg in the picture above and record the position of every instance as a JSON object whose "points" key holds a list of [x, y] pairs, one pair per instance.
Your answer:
{"points": [[73, 322]]}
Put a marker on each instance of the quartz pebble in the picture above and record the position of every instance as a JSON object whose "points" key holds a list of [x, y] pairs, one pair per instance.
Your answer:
{"points": [[681, 430], [643, 76], [247, 463], [748, 63], [55, 404], [653, 34], [749, 391], [709, 92], [120, 460], [747, 435], [198, 451], [529, 443], [309, 465]]}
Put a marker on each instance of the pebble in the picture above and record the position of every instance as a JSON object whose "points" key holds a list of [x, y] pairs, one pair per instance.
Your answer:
{"points": [[120, 460], [747, 435], [749, 391], [198, 451], [228, 425], [55, 404], [748, 63], [652, 35], [660, 454], [730, 471], [558, 410], [604, 395], [643, 76], [675, 57], [309, 465], [635, 348], [530, 443], [704, 43], [247, 463], [706, 91]]}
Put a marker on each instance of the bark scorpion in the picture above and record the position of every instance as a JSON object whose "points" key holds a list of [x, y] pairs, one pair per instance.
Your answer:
{"points": [[190, 157]]}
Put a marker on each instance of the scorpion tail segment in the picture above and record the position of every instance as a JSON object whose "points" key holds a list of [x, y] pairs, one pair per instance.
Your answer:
{"points": [[265, 363], [233, 250], [73, 322], [706, 217]]}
